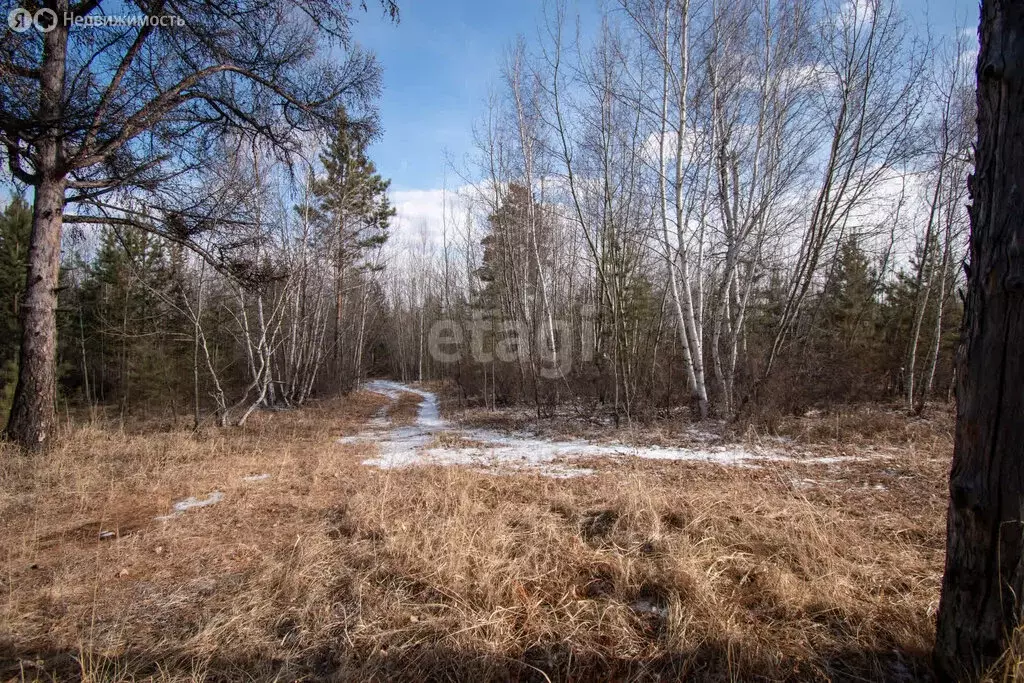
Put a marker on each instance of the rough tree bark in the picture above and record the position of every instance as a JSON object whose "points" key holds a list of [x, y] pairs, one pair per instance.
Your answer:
{"points": [[33, 415], [984, 578]]}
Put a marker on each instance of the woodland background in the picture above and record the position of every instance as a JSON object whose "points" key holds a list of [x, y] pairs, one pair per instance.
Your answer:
{"points": [[756, 216]]}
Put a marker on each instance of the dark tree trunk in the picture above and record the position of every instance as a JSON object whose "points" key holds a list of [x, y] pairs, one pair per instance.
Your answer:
{"points": [[33, 415], [984, 581]]}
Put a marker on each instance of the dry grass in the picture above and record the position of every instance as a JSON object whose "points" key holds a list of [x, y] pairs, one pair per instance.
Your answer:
{"points": [[1009, 667], [453, 439], [573, 422], [873, 425], [328, 569], [403, 411]]}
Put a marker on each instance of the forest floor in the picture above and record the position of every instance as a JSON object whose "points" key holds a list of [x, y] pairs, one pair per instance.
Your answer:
{"points": [[383, 536]]}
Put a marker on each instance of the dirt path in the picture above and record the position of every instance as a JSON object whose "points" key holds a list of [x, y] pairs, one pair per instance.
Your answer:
{"points": [[432, 440]]}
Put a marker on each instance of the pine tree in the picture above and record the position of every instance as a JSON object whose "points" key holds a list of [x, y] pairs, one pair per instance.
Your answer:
{"points": [[15, 229], [851, 309], [122, 337], [846, 341], [510, 293], [355, 199]]}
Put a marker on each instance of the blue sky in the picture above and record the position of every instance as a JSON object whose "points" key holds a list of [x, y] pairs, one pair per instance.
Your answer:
{"points": [[444, 55], [442, 58], [439, 63]]}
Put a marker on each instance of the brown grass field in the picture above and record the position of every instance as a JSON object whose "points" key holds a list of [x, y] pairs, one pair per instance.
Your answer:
{"points": [[331, 570]]}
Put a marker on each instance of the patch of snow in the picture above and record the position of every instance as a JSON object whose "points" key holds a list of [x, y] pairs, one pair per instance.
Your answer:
{"points": [[193, 502], [642, 606], [703, 435], [256, 477], [818, 460], [182, 506], [429, 411], [382, 386], [494, 436], [556, 471], [502, 452]]}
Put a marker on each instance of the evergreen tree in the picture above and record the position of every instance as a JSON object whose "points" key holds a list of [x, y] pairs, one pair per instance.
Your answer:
{"points": [[122, 340], [354, 199], [509, 296], [353, 193], [842, 359], [15, 229], [505, 253], [897, 321], [851, 309]]}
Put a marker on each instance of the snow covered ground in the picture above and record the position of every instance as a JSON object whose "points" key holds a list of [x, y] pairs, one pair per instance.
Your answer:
{"points": [[501, 452]]}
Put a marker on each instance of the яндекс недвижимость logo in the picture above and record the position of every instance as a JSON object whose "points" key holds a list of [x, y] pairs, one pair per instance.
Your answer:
{"points": [[45, 20]]}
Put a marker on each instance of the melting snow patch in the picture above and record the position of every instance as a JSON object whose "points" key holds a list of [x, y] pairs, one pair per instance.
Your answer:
{"points": [[381, 386], [522, 452], [642, 606], [703, 435], [189, 503], [183, 506], [256, 477]]}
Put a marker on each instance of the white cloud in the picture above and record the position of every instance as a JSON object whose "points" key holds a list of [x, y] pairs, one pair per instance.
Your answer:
{"points": [[652, 146], [420, 212], [418, 207], [856, 13]]}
